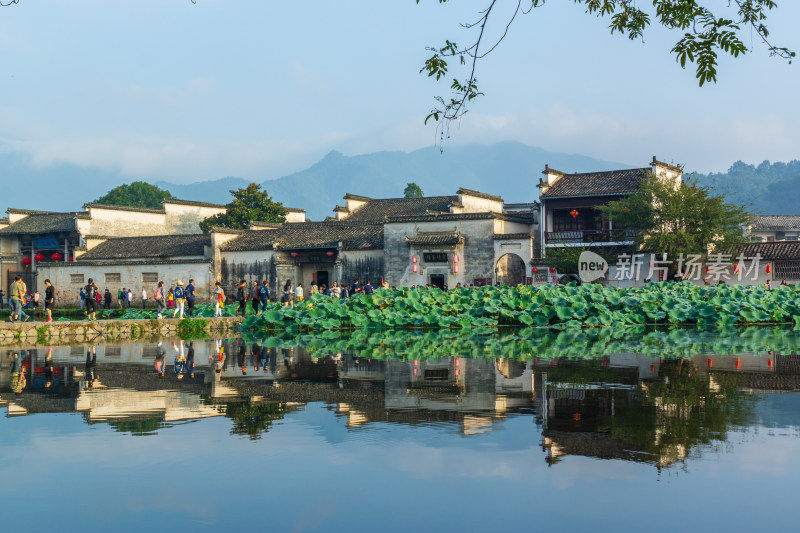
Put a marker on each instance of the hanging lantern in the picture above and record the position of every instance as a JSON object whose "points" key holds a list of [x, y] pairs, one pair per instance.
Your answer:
{"points": [[769, 269], [71, 259], [294, 254], [738, 364], [329, 253], [26, 261], [552, 270], [56, 257], [535, 270], [455, 269], [414, 269], [455, 259], [38, 257], [574, 213], [413, 258], [735, 269]]}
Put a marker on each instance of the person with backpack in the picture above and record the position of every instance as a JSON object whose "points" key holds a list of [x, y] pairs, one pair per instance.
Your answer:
{"points": [[189, 294], [179, 299], [91, 299], [263, 295], [241, 295], [160, 299]]}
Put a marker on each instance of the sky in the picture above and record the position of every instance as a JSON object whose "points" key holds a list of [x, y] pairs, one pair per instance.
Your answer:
{"points": [[182, 91]]}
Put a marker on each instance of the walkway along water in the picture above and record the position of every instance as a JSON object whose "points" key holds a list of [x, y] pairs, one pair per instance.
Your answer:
{"points": [[29, 334]]}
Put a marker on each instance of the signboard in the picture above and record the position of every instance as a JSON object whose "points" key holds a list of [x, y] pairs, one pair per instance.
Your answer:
{"points": [[45, 244], [435, 257]]}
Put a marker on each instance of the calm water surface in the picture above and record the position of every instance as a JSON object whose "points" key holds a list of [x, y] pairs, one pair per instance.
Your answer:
{"points": [[285, 438]]}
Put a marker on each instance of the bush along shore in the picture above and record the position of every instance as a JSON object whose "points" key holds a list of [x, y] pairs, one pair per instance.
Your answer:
{"points": [[590, 305]]}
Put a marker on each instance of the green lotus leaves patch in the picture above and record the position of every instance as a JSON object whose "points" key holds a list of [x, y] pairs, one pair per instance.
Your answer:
{"points": [[585, 306]]}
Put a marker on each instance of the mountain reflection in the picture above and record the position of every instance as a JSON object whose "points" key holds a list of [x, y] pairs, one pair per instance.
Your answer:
{"points": [[627, 406]]}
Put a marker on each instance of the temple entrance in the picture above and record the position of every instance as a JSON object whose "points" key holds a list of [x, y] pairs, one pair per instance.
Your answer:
{"points": [[437, 280], [510, 270], [323, 278]]}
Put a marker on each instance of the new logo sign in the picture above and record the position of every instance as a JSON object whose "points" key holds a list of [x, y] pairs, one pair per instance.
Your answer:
{"points": [[591, 267]]}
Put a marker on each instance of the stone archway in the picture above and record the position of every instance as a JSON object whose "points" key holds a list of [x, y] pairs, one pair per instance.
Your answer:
{"points": [[510, 269]]}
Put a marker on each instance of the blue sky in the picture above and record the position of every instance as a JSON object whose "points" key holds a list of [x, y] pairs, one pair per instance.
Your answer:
{"points": [[185, 92]]}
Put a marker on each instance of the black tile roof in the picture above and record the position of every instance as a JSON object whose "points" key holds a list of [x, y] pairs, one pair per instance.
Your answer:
{"points": [[160, 246], [383, 208], [512, 236], [524, 217], [436, 238], [305, 235], [776, 222], [771, 250], [192, 202], [40, 223], [478, 194], [596, 183]]}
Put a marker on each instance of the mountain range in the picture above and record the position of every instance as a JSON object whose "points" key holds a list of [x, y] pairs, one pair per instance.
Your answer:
{"points": [[507, 169]]}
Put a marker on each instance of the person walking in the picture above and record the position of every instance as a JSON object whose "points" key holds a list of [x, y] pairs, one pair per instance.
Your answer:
{"points": [[160, 298], [49, 299], [368, 288], [263, 295], [144, 298], [189, 295], [241, 295], [255, 299], [91, 303], [179, 300], [107, 297], [119, 297], [16, 293], [83, 299], [288, 295], [170, 299], [298, 292], [130, 298], [219, 299]]}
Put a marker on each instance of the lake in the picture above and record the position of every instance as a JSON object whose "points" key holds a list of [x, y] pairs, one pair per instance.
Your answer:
{"points": [[392, 431]]}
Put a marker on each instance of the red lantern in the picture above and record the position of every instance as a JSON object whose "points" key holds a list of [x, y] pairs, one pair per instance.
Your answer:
{"points": [[769, 269], [455, 269], [71, 259], [736, 269], [413, 258], [56, 257], [574, 213], [329, 253], [39, 257], [535, 270], [26, 261], [414, 269], [552, 270], [294, 254]]}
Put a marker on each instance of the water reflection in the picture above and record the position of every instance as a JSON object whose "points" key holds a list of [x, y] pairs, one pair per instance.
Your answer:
{"points": [[627, 406]]}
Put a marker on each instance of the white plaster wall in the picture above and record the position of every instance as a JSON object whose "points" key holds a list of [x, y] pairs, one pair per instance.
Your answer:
{"points": [[114, 223], [295, 216], [507, 226], [473, 204], [130, 277], [185, 219]]}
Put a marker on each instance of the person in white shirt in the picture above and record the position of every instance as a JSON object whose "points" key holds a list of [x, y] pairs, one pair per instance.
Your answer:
{"points": [[298, 292], [144, 298]]}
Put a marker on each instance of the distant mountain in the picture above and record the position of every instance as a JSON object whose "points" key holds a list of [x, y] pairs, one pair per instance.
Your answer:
{"points": [[508, 169], [769, 188]]}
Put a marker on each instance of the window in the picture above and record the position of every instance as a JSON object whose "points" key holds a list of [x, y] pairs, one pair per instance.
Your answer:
{"points": [[791, 238], [76, 278], [149, 277], [112, 351], [756, 238], [787, 270], [113, 277], [770, 239], [76, 350]]}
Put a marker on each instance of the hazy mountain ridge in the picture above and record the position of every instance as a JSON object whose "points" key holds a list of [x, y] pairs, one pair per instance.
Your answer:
{"points": [[508, 169]]}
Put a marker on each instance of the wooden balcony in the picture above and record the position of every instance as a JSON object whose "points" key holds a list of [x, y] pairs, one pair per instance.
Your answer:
{"points": [[589, 237]]}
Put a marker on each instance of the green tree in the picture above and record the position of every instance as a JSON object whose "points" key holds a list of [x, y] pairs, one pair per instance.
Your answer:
{"points": [[702, 35], [413, 190], [249, 204], [136, 194], [685, 218]]}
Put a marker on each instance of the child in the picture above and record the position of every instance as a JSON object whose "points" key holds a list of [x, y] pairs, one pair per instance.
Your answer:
{"points": [[219, 299]]}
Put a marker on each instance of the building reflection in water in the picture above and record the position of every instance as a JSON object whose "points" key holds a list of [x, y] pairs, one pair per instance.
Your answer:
{"points": [[627, 406]]}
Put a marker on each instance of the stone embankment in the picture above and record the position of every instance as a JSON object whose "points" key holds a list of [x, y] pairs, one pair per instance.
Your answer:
{"points": [[30, 334]]}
